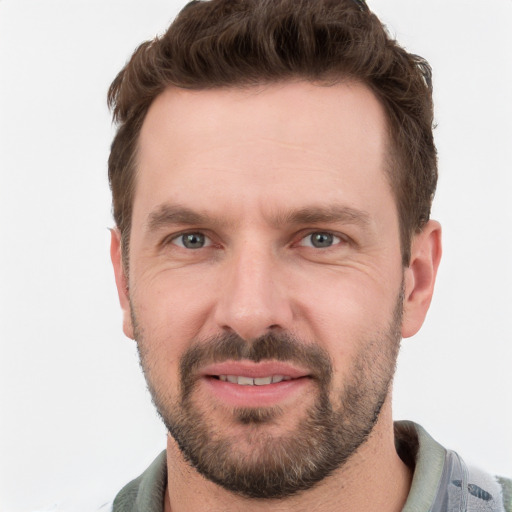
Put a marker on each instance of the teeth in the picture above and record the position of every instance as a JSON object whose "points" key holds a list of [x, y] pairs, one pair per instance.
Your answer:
{"points": [[249, 381], [245, 381], [263, 381]]}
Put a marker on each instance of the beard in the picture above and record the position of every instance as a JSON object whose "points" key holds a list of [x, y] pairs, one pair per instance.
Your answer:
{"points": [[275, 466]]}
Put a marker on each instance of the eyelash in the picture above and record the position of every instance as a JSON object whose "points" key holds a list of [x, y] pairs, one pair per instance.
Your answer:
{"points": [[337, 239], [179, 236]]}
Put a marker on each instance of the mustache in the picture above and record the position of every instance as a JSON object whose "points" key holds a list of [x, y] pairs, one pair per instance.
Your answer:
{"points": [[272, 346]]}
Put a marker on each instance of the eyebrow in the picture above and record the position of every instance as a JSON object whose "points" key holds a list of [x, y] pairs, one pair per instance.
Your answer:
{"points": [[168, 214], [323, 215]]}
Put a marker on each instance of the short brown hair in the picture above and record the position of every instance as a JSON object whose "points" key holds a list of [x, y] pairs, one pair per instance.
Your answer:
{"points": [[239, 43]]}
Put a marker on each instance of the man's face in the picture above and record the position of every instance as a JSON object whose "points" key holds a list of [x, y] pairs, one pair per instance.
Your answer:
{"points": [[265, 278]]}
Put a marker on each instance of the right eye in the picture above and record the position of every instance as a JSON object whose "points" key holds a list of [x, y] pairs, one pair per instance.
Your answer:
{"points": [[192, 241]]}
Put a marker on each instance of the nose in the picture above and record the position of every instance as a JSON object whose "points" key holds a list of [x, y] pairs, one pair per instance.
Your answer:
{"points": [[253, 298]]}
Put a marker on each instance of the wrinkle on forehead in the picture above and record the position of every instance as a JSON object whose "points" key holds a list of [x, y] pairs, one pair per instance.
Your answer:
{"points": [[291, 153]]}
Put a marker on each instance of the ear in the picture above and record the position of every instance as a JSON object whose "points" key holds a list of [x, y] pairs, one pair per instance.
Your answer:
{"points": [[420, 277], [116, 256]]}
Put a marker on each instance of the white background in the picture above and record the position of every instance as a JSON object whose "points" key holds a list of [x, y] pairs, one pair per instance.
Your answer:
{"points": [[75, 416]]}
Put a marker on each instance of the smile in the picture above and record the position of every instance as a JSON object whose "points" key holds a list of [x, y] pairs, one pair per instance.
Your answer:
{"points": [[249, 381], [249, 384]]}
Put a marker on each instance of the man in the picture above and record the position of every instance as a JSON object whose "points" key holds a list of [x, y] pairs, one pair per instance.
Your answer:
{"points": [[272, 178]]}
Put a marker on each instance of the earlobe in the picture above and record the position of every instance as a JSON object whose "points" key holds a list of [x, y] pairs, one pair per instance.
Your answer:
{"points": [[420, 277], [116, 256]]}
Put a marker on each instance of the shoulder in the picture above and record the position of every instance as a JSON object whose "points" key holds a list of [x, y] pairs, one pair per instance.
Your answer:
{"points": [[485, 488], [146, 492], [442, 481], [506, 487]]}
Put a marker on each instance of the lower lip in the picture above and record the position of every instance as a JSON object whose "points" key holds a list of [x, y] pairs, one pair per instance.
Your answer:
{"points": [[255, 396]]}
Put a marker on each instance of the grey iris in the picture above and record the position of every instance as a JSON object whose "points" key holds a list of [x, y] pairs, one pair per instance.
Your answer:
{"points": [[322, 239], [193, 240]]}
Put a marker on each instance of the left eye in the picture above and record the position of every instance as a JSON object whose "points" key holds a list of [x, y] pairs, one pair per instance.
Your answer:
{"points": [[320, 240], [192, 241]]}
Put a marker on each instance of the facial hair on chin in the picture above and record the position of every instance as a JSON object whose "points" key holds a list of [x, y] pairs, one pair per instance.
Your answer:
{"points": [[281, 465]]}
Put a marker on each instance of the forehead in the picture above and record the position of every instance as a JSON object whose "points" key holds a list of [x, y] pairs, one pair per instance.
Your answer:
{"points": [[285, 144]]}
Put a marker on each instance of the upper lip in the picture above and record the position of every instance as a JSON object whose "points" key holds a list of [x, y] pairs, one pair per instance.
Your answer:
{"points": [[254, 370]]}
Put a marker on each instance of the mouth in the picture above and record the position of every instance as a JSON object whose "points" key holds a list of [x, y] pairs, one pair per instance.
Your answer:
{"points": [[248, 384], [242, 380]]}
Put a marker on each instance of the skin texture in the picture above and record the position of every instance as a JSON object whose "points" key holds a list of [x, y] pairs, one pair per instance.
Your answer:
{"points": [[258, 172]]}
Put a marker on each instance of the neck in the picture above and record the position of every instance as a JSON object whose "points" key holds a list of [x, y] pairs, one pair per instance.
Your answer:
{"points": [[374, 478]]}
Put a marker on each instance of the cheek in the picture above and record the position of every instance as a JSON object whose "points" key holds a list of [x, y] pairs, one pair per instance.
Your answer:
{"points": [[171, 305], [341, 312]]}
